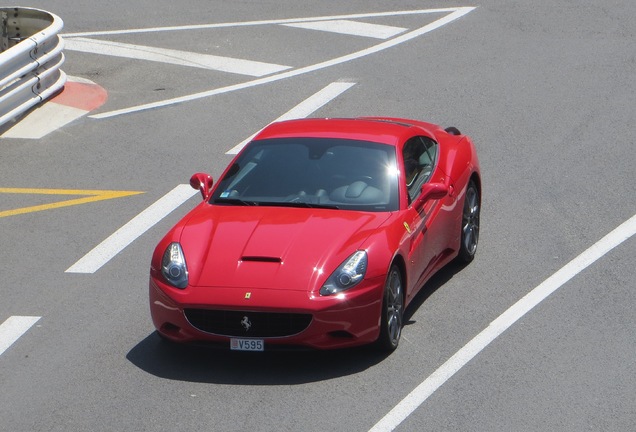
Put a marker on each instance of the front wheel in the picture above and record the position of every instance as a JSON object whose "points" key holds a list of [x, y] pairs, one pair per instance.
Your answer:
{"points": [[470, 224], [392, 311]]}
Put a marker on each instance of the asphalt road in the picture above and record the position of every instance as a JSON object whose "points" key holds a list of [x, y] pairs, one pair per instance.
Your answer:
{"points": [[545, 88]]}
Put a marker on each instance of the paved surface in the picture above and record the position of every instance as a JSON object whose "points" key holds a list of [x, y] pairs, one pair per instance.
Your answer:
{"points": [[545, 88]]}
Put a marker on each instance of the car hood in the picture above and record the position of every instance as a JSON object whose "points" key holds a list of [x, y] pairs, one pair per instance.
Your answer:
{"points": [[271, 247]]}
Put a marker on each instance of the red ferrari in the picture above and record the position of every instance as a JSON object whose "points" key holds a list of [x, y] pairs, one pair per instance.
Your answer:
{"points": [[318, 235]]}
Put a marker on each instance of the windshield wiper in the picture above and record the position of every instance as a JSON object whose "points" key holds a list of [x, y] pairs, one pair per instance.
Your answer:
{"points": [[297, 204], [234, 201], [300, 204]]}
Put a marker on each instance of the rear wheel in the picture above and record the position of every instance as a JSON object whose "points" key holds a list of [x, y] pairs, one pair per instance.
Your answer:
{"points": [[470, 224], [392, 311]]}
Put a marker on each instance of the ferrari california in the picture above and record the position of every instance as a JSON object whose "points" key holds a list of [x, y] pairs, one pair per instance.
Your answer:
{"points": [[318, 234]]}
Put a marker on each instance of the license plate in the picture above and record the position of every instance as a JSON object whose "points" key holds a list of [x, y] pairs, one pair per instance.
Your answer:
{"points": [[247, 344]]}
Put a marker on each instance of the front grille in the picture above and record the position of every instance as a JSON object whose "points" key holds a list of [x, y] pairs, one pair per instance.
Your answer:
{"points": [[247, 324]]}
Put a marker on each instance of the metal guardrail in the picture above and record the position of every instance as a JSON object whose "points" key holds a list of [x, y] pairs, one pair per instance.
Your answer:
{"points": [[30, 59]]}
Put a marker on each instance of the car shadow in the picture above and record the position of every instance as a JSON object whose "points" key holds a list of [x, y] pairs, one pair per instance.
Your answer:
{"points": [[217, 366], [209, 365], [438, 280]]}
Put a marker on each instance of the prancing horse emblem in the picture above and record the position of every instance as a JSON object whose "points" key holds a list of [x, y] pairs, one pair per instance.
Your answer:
{"points": [[245, 322]]}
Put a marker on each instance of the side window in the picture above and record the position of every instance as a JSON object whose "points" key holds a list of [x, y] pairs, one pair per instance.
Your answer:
{"points": [[419, 156]]}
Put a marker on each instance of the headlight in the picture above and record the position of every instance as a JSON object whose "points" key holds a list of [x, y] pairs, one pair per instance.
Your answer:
{"points": [[173, 266], [348, 275]]}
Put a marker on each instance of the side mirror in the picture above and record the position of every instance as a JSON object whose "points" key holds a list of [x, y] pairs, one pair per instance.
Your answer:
{"points": [[431, 191], [202, 182]]}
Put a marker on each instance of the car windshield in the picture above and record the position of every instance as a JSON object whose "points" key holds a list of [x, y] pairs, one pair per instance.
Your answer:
{"points": [[312, 172]]}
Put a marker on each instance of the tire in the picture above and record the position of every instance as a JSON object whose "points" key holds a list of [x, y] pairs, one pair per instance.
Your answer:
{"points": [[470, 224], [392, 311]]}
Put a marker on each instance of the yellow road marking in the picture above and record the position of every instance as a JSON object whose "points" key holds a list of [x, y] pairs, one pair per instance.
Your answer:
{"points": [[89, 196]]}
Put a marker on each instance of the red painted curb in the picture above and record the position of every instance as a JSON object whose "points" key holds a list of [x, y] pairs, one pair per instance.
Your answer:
{"points": [[81, 95]]}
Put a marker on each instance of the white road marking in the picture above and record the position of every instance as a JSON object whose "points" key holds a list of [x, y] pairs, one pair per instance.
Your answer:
{"points": [[13, 328], [109, 248], [262, 22], [43, 120], [454, 14], [349, 27], [305, 108], [422, 392], [170, 56]]}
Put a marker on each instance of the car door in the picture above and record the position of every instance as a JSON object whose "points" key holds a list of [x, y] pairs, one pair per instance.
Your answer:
{"points": [[427, 224]]}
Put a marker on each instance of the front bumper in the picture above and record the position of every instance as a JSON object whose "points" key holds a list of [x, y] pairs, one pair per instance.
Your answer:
{"points": [[343, 320]]}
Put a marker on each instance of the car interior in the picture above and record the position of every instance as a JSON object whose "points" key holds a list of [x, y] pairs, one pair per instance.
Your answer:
{"points": [[338, 173]]}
